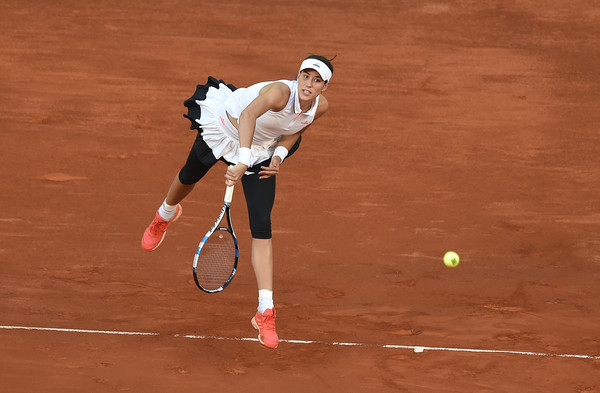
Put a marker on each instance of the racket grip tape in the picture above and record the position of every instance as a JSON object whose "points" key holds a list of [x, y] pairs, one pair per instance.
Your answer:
{"points": [[228, 195]]}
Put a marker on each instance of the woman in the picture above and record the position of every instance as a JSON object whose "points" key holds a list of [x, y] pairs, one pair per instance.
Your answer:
{"points": [[253, 130]]}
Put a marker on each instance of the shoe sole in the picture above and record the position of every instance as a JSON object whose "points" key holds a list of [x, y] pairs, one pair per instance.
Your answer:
{"points": [[177, 215], [255, 325]]}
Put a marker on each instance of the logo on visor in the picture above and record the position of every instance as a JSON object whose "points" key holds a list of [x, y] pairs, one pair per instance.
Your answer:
{"points": [[316, 65]]}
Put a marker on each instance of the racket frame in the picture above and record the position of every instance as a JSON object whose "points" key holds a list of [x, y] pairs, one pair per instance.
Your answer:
{"points": [[225, 212]]}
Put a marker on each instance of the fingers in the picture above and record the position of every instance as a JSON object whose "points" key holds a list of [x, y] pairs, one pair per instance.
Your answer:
{"points": [[268, 171], [234, 173]]}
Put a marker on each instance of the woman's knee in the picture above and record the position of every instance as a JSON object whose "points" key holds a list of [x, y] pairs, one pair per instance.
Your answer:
{"points": [[261, 227], [188, 177]]}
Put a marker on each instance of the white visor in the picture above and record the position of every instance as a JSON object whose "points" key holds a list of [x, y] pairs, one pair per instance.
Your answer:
{"points": [[318, 66]]}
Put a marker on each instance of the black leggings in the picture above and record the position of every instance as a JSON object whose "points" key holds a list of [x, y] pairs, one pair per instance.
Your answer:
{"points": [[259, 193]]}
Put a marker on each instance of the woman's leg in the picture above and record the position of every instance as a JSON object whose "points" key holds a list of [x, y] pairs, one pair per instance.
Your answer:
{"points": [[260, 197], [178, 191], [262, 262], [198, 163]]}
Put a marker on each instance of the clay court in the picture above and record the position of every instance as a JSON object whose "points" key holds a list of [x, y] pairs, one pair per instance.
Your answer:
{"points": [[453, 125]]}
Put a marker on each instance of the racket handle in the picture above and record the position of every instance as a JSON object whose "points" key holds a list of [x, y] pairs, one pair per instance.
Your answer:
{"points": [[228, 195]]}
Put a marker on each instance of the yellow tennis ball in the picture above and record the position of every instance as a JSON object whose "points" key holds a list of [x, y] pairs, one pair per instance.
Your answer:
{"points": [[451, 259]]}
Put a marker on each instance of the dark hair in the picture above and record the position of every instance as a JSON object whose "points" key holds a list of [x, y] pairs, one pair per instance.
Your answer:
{"points": [[324, 60]]}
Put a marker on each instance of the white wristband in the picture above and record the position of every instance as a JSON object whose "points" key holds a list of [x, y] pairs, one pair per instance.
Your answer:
{"points": [[281, 152], [245, 156]]}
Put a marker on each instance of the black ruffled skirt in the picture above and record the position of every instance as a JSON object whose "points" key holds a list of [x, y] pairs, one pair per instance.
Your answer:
{"points": [[200, 95]]}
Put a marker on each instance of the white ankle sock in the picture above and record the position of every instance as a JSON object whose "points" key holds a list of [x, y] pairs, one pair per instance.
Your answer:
{"points": [[167, 211], [265, 300]]}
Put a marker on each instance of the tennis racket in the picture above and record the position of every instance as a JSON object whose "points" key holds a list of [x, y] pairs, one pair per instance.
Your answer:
{"points": [[216, 259]]}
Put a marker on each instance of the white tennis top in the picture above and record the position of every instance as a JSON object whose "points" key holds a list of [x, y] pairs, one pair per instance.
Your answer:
{"points": [[222, 137]]}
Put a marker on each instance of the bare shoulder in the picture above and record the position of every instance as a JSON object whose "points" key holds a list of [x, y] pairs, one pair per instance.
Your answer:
{"points": [[276, 93], [278, 87]]}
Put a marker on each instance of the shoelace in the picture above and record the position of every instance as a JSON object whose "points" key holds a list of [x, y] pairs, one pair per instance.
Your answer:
{"points": [[158, 227], [268, 322]]}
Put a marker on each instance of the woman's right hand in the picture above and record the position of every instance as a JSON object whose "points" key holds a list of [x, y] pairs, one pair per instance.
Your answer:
{"points": [[234, 174]]}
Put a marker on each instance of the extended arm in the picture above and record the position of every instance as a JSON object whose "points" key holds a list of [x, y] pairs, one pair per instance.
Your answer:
{"points": [[271, 97]]}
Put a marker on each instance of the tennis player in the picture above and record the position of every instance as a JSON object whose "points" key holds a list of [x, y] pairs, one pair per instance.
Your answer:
{"points": [[253, 130]]}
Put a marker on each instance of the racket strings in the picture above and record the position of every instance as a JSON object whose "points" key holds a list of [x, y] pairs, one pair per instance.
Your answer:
{"points": [[216, 260]]}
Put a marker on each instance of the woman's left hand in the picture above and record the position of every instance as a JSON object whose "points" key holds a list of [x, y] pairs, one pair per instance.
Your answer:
{"points": [[272, 169]]}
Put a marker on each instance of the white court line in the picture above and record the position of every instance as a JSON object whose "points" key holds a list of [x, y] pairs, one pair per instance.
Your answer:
{"points": [[416, 348], [78, 330]]}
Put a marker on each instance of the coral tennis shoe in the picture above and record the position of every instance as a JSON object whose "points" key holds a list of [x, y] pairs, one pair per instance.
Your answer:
{"points": [[156, 231], [265, 324]]}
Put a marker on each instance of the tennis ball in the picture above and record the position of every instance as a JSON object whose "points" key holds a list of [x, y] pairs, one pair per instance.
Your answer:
{"points": [[451, 259]]}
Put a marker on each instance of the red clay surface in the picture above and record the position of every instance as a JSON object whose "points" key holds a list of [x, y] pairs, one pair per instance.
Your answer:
{"points": [[462, 125]]}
